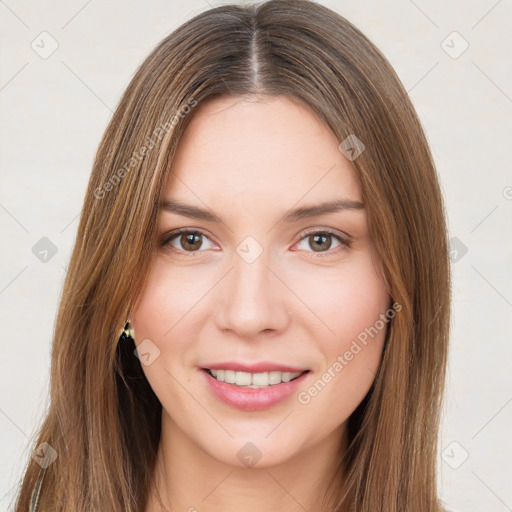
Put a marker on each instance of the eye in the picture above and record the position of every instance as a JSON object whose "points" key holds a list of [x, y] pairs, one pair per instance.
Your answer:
{"points": [[189, 239], [320, 240]]}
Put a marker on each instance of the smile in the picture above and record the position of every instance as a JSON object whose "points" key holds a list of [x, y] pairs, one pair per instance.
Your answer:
{"points": [[253, 391]]}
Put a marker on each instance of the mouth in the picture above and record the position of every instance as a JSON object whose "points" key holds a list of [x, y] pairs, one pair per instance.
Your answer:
{"points": [[259, 380], [253, 391]]}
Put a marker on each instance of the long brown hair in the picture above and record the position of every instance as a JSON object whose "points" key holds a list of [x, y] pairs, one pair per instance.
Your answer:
{"points": [[103, 420]]}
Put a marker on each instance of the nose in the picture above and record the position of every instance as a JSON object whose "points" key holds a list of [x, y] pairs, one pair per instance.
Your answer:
{"points": [[254, 299]]}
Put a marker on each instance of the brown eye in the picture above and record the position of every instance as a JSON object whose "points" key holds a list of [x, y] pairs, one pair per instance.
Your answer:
{"points": [[187, 241], [321, 242]]}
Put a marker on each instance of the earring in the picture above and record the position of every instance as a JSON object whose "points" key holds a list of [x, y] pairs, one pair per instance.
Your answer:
{"points": [[128, 333]]}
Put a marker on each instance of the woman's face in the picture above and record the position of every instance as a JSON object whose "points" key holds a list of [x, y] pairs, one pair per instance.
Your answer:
{"points": [[261, 291]]}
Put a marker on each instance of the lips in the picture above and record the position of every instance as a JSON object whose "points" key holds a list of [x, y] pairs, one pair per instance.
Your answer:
{"points": [[258, 367], [260, 395]]}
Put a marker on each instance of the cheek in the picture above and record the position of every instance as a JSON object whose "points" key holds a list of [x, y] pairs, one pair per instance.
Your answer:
{"points": [[164, 312], [345, 300], [352, 305], [168, 301]]}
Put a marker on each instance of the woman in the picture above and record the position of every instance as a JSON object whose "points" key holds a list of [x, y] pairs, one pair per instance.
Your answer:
{"points": [[256, 312]]}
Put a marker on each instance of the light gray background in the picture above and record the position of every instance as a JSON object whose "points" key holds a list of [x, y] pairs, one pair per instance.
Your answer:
{"points": [[55, 109]]}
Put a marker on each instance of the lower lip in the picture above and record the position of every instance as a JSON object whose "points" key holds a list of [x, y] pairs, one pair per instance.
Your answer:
{"points": [[253, 399]]}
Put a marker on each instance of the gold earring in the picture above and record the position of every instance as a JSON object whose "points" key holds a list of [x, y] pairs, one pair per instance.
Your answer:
{"points": [[128, 332]]}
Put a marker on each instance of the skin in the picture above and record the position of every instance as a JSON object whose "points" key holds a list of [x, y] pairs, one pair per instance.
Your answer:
{"points": [[250, 160]]}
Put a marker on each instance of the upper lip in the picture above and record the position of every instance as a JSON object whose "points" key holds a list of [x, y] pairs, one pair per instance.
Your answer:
{"points": [[257, 367]]}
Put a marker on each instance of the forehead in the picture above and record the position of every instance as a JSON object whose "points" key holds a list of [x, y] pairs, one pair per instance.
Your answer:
{"points": [[259, 151]]}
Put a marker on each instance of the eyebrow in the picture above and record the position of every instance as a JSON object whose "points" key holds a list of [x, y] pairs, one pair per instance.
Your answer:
{"points": [[194, 212]]}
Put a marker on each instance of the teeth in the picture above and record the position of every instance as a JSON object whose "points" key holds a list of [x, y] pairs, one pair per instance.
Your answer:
{"points": [[274, 377], [229, 376], [253, 380], [243, 379]]}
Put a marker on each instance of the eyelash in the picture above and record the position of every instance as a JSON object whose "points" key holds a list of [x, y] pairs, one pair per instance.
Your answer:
{"points": [[345, 243]]}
